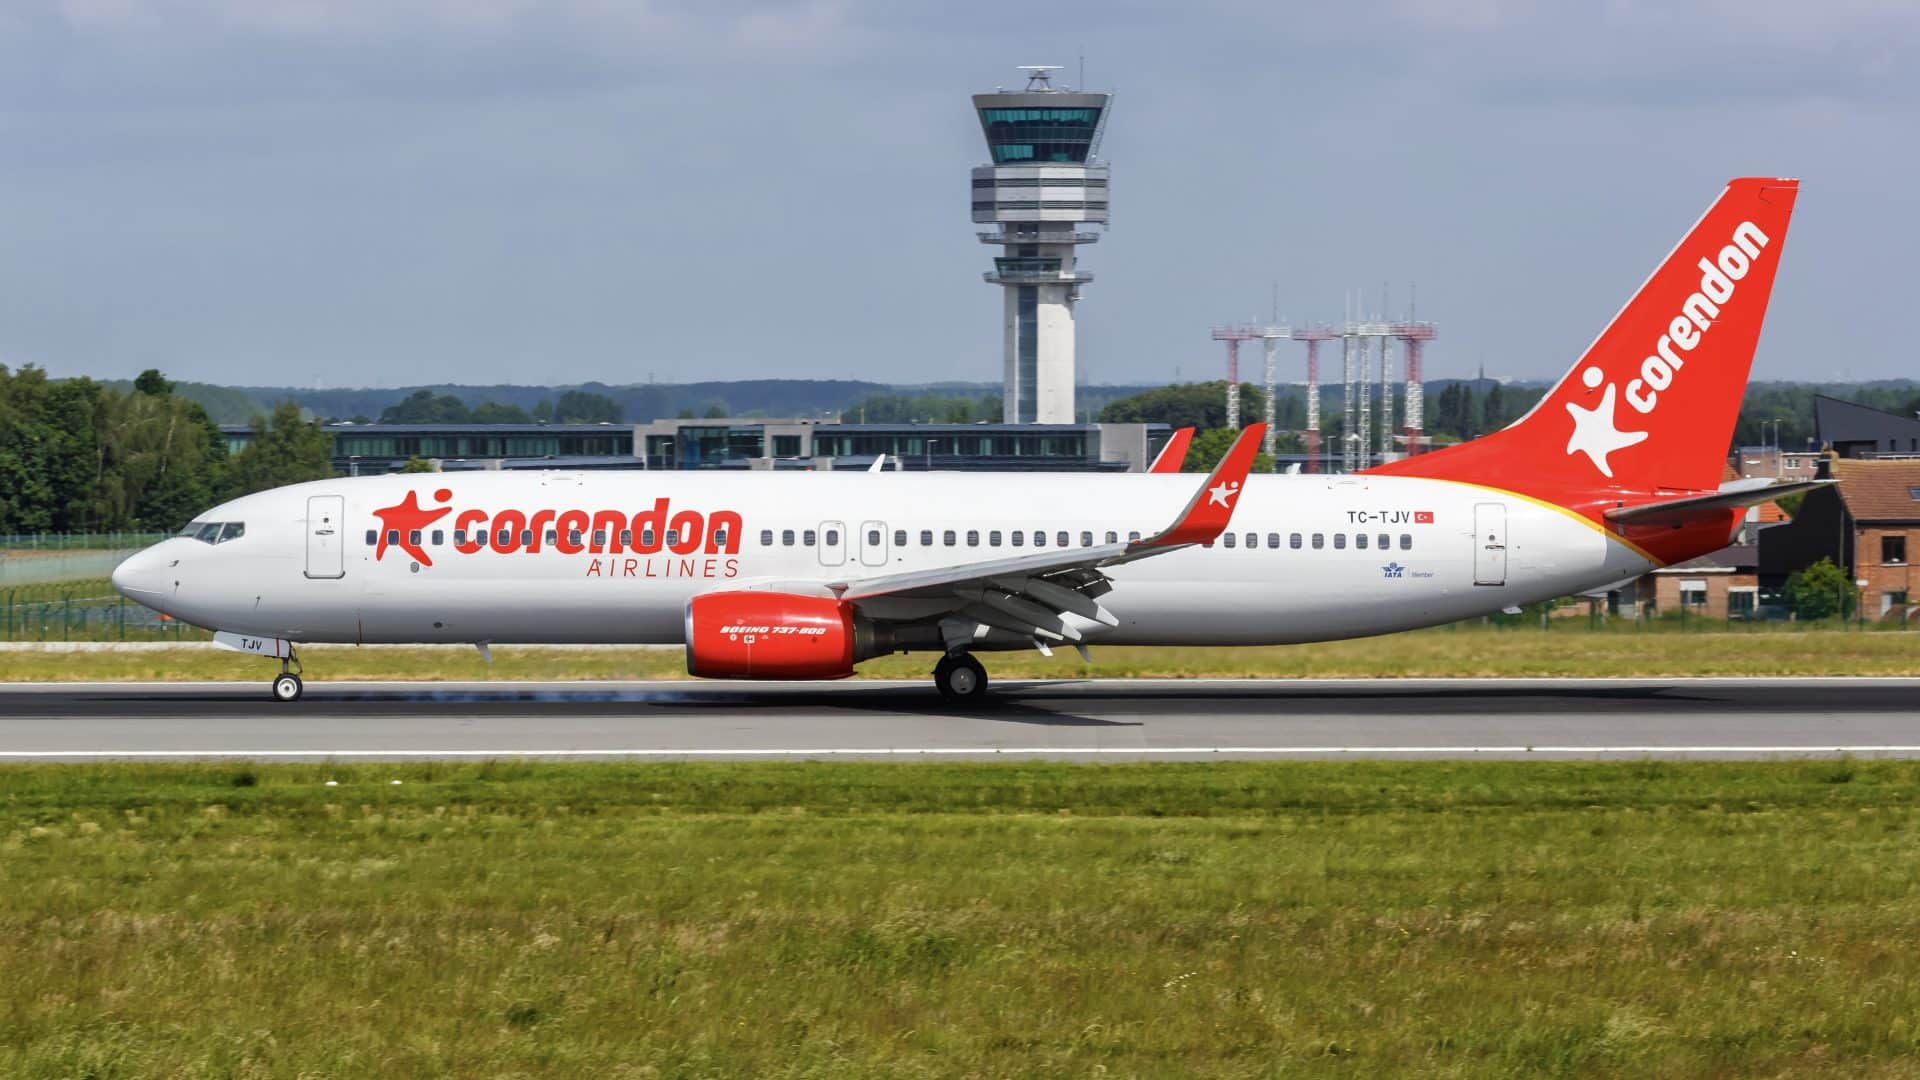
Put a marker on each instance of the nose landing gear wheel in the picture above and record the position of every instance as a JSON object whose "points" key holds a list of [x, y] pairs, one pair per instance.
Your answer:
{"points": [[287, 688], [960, 678]]}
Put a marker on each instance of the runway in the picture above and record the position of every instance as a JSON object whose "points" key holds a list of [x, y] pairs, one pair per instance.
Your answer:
{"points": [[1120, 719]]}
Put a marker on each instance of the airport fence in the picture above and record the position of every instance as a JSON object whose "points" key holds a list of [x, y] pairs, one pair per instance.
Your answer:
{"points": [[47, 558], [78, 541], [90, 611]]}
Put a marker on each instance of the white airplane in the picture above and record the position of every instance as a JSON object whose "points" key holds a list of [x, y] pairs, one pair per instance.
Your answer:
{"points": [[802, 576]]}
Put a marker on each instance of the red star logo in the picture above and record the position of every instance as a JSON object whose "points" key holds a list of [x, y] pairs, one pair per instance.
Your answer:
{"points": [[407, 517]]}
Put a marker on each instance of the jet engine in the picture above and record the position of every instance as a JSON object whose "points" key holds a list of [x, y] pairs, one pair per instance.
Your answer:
{"points": [[747, 634]]}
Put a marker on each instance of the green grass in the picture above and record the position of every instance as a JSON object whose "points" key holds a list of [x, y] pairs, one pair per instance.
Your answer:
{"points": [[1345, 919], [1428, 653]]}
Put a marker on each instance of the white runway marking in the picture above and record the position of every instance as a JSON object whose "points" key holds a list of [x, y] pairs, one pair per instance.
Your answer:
{"points": [[970, 751]]}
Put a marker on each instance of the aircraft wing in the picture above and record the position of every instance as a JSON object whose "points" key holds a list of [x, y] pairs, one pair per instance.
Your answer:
{"points": [[1174, 454], [1689, 509], [1029, 594]]}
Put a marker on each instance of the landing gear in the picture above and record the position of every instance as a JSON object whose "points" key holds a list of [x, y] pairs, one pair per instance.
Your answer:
{"points": [[287, 686], [960, 678]]}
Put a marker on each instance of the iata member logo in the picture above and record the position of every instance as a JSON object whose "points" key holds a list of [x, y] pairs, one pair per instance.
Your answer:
{"points": [[1393, 570]]}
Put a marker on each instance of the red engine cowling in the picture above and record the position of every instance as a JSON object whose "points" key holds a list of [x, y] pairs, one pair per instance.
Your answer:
{"points": [[769, 635]]}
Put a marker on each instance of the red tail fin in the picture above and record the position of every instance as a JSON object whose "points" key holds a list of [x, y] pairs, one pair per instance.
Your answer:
{"points": [[1653, 402], [1173, 455]]}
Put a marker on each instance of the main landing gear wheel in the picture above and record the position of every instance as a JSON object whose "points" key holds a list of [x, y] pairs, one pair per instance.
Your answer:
{"points": [[287, 687], [960, 678]]}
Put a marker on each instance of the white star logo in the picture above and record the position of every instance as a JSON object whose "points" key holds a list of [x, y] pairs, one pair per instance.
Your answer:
{"points": [[1218, 494], [1593, 431]]}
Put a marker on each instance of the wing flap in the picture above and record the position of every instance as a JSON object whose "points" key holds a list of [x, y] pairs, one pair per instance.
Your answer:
{"points": [[1689, 509]]}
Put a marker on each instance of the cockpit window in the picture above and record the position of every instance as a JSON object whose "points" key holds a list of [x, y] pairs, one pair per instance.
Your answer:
{"points": [[214, 532]]}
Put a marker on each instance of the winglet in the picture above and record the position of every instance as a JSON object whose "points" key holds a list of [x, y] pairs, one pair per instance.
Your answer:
{"points": [[1174, 454], [1212, 507]]}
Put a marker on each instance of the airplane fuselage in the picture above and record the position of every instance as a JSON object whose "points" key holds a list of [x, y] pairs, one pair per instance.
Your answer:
{"points": [[614, 557]]}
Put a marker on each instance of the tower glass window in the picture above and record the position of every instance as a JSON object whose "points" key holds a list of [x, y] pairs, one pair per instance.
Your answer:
{"points": [[1020, 135]]}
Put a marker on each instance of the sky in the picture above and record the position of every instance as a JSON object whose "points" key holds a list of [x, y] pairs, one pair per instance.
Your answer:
{"points": [[388, 192]]}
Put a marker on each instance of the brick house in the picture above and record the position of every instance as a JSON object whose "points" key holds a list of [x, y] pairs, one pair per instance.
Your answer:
{"points": [[1722, 584], [1868, 524]]}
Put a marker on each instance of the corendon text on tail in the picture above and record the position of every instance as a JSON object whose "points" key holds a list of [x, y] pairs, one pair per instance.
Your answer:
{"points": [[805, 575]]}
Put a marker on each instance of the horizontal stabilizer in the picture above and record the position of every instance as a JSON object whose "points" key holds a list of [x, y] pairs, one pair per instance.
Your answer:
{"points": [[1689, 509]]}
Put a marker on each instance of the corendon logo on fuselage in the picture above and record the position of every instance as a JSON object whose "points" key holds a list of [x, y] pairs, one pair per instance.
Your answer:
{"points": [[659, 541], [1595, 431]]}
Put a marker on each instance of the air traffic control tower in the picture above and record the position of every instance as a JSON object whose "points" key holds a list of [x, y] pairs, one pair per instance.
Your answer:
{"points": [[1044, 187]]}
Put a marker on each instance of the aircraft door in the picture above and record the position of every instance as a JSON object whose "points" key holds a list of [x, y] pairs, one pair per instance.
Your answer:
{"points": [[326, 536], [833, 543], [873, 543], [1489, 544]]}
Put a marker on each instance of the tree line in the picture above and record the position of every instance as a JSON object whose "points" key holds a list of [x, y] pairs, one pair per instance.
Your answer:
{"points": [[80, 456], [572, 407]]}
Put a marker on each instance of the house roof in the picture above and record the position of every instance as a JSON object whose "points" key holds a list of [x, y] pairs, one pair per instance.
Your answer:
{"points": [[1879, 490], [1732, 559]]}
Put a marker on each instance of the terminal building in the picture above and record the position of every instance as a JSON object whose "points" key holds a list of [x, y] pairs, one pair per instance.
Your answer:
{"points": [[738, 443], [1042, 189]]}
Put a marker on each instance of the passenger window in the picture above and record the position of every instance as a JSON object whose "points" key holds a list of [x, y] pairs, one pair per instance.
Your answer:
{"points": [[526, 538], [393, 537], [947, 538], [502, 538], [673, 537], [993, 537], [600, 538], [973, 538], [926, 537], [873, 538], [1385, 541], [1019, 537], [1060, 540], [413, 537], [626, 538], [1293, 541], [899, 538], [766, 537], [1227, 539], [1339, 541], [786, 537], [1319, 541], [646, 537], [809, 538], [1133, 538], [1253, 540], [1112, 537], [1359, 541], [1086, 539], [552, 537], [833, 537], [439, 537], [573, 537], [459, 537], [373, 537], [720, 538], [1273, 540], [1406, 541]]}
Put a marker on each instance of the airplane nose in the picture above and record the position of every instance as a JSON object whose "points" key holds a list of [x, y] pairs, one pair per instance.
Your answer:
{"points": [[140, 575]]}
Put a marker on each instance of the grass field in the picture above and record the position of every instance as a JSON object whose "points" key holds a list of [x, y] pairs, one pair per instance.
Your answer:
{"points": [[1465, 650], [1349, 919]]}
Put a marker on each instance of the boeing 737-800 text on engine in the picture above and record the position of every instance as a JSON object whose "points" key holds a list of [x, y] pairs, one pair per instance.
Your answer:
{"points": [[798, 576]]}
